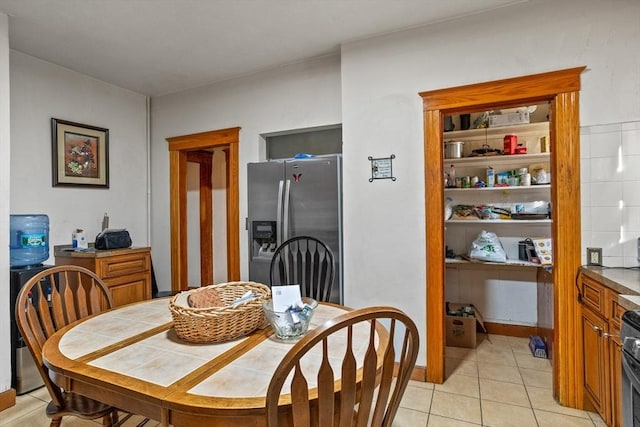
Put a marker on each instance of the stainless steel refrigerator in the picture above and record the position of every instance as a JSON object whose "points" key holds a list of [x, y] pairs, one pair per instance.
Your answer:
{"points": [[294, 197]]}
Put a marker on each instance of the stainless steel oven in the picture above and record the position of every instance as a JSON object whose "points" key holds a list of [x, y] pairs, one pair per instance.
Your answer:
{"points": [[630, 335]]}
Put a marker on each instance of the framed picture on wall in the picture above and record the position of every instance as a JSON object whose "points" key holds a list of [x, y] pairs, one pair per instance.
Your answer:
{"points": [[80, 154]]}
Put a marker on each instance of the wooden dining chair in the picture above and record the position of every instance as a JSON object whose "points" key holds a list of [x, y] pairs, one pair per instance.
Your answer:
{"points": [[305, 261], [361, 391], [50, 300]]}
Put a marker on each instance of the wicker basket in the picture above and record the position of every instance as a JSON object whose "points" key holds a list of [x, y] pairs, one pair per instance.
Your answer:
{"points": [[217, 324]]}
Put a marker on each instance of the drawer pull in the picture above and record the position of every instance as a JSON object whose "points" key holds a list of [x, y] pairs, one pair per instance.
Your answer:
{"points": [[601, 332]]}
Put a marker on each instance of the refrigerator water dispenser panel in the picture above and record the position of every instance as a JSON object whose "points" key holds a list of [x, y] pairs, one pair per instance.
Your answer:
{"points": [[264, 238]]}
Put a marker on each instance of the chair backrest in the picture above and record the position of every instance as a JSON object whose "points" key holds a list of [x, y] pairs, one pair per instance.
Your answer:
{"points": [[306, 261], [361, 391], [52, 299]]}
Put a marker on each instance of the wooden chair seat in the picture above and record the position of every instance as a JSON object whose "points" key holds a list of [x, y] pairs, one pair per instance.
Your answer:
{"points": [[82, 407]]}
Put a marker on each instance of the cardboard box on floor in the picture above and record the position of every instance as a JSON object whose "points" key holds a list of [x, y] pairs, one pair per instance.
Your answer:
{"points": [[461, 331]]}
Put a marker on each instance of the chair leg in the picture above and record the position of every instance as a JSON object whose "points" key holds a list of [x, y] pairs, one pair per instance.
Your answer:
{"points": [[106, 420]]}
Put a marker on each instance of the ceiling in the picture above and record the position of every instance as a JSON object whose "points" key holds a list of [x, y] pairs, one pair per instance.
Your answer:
{"points": [[157, 47]]}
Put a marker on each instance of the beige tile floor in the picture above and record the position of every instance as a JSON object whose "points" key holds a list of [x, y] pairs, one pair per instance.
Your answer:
{"points": [[497, 384], [29, 412]]}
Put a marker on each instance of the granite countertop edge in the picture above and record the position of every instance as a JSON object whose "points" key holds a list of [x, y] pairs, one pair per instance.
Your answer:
{"points": [[92, 252], [625, 281]]}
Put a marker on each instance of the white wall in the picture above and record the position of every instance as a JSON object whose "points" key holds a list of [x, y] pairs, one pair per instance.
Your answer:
{"points": [[5, 334], [382, 114], [295, 96], [40, 91], [219, 217], [193, 227]]}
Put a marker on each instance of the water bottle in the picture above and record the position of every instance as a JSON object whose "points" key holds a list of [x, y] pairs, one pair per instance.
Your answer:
{"points": [[28, 240], [452, 176]]}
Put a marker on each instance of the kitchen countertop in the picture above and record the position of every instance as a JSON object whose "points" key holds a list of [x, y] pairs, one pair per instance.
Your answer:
{"points": [[625, 281], [92, 252]]}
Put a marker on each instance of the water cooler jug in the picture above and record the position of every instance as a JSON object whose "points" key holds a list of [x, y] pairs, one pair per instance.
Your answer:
{"points": [[28, 239]]}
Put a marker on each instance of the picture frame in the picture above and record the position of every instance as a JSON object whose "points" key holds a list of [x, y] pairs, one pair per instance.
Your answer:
{"points": [[382, 168], [80, 154]]}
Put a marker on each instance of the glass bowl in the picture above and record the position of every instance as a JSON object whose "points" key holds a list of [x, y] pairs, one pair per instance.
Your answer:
{"points": [[289, 325]]}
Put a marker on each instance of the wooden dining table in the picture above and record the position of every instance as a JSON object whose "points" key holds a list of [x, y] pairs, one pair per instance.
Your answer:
{"points": [[131, 358]]}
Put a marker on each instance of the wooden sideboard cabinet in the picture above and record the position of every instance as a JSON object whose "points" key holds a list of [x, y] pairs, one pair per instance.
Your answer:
{"points": [[602, 349], [127, 272]]}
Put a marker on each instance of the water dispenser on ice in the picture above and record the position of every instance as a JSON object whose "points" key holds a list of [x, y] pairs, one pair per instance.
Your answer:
{"points": [[264, 240]]}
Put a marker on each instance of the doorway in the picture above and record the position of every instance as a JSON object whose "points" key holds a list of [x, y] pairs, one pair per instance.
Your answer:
{"points": [[197, 148], [561, 90]]}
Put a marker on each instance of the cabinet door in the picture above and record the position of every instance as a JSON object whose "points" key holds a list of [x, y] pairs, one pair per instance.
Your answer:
{"points": [[596, 362], [128, 289], [615, 348], [615, 358]]}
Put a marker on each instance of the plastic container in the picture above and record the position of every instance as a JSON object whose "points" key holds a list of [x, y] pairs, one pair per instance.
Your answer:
{"points": [[28, 240], [491, 177], [510, 143], [452, 176]]}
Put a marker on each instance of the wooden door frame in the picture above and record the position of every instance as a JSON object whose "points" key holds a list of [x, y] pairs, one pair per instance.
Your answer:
{"points": [[179, 146], [561, 90]]}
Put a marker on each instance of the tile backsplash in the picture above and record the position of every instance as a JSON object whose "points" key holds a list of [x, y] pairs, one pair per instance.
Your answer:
{"points": [[610, 191]]}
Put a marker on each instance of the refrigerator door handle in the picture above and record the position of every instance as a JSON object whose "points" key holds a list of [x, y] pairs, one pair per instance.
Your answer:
{"points": [[279, 214], [287, 196]]}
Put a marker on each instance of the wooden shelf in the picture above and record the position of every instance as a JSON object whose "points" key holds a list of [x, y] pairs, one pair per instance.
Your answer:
{"points": [[513, 158], [514, 188], [529, 135], [498, 221], [496, 132], [456, 262]]}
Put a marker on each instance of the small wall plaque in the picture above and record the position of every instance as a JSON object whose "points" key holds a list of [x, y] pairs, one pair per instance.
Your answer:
{"points": [[382, 168]]}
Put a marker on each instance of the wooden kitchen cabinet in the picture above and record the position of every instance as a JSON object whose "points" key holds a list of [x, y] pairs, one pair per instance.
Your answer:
{"points": [[126, 272], [596, 360], [602, 349]]}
